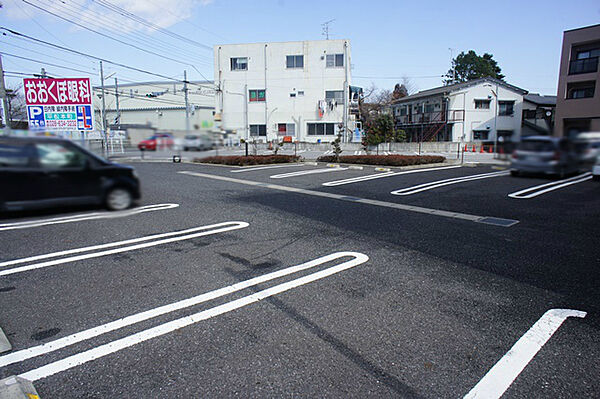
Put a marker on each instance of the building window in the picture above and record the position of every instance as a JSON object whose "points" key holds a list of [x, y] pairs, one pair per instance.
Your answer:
{"points": [[300, 93], [581, 55], [292, 94], [529, 114], [402, 110], [481, 135], [482, 104], [258, 130], [581, 90], [334, 60], [506, 108], [337, 95], [321, 129], [286, 129], [294, 61], [257, 95], [239, 64], [505, 134], [429, 108]]}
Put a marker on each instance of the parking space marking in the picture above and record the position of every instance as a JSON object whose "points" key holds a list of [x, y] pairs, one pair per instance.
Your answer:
{"points": [[266, 167], [502, 375], [86, 216], [358, 200], [447, 182], [81, 336], [162, 329], [382, 175], [551, 186], [180, 236], [307, 172]]}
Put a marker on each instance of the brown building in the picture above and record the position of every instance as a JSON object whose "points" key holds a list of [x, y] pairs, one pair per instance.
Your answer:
{"points": [[578, 99]]}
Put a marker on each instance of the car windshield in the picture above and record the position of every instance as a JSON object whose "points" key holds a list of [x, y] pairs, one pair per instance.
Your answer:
{"points": [[537, 146]]}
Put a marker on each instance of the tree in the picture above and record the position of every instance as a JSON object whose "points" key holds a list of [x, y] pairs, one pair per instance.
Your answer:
{"points": [[337, 149], [381, 130], [17, 110], [469, 66]]}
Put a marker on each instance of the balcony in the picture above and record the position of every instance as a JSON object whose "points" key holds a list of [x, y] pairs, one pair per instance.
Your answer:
{"points": [[585, 65]]}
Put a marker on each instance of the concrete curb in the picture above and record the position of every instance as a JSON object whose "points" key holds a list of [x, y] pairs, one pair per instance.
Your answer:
{"points": [[17, 388], [5, 345]]}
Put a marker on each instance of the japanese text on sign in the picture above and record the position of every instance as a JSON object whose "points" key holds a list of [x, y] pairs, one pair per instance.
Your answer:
{"points": [[68, 91]]}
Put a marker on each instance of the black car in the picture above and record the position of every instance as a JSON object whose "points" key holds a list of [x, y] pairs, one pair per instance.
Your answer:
{"points": [[41, 172]]}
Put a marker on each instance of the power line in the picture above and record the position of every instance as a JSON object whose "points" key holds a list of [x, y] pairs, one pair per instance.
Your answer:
{"points": [[398, 77], [149, 24], [46, 63], [45, 55], [80, 53], [105, 35], [103, 22]]}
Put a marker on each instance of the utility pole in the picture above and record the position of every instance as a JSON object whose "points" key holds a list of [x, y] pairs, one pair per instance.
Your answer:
{"points": [[187, 107], [5, 109], [43, 73], [118, 119], [452, 64], [104, 146]]}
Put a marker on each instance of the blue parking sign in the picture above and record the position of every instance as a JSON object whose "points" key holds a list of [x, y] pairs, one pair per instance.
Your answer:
{"points": [[36, 116]]}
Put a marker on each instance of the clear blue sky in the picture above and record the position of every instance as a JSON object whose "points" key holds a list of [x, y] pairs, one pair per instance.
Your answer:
{"points": [[388, 38]]}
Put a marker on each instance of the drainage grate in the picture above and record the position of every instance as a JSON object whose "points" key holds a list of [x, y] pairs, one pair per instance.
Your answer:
{"points": [[498, 221]]}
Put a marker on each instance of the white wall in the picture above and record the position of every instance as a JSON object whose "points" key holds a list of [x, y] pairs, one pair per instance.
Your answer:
{"points": [[483, 119], [313, 79]]}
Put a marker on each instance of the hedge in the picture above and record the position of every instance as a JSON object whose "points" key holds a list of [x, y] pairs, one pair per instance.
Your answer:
{"points": [[249, 160], [385, 160]]}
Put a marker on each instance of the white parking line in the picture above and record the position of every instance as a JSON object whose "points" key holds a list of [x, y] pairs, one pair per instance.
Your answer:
{"points": [[382, 175], [218, 228], [357, 200], [72, 339], [266, 167], [502, 375], [162, 329], [551, 186], [307, 172], [85, 216], [329, 152], [446, 182]]}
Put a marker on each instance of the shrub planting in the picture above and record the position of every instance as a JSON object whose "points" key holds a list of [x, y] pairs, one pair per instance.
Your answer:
{"points": [[385, 160], [249, 160]]}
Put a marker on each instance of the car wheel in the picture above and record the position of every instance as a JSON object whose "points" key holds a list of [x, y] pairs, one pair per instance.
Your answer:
{"points": [[118, 199], [515, 173]]}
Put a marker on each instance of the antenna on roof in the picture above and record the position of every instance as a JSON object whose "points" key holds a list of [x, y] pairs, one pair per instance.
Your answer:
{"points": [[325, 28]]}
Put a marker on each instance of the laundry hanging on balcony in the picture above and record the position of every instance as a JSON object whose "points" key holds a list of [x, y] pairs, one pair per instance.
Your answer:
{"points": [[322, 107]]}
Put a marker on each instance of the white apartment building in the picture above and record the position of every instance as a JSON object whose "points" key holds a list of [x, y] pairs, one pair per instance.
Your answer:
{"points": [[297, 90], [477, 110]]}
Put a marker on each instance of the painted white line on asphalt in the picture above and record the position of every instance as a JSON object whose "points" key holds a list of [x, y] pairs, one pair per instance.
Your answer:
{"points": [[85, 216], [502, 375], [307, 172], [358, 200], [107, 245], [447, 182], [382, 175], [218, 228], [266, 167], [551, 186], [162, 329], [72, 339]]}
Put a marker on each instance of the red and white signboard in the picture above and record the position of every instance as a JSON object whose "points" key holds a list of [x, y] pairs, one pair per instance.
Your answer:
{"points": [[59, 104]]}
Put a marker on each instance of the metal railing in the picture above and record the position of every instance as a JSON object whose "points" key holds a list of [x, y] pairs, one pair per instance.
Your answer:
{"points": [[585, 65]]}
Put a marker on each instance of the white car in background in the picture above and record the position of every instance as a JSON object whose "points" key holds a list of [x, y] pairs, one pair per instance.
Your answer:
{"points": [[596, 169]]}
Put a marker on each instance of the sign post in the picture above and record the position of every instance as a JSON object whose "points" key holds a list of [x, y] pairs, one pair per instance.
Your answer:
{"points": [[59, 104]]}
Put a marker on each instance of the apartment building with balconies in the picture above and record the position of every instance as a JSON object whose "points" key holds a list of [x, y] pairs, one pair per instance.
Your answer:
{"points": [[578, 97], [477, 110]]}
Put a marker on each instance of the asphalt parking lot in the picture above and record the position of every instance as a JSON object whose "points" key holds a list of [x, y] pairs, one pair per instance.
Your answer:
{"points": [[308, 280]]}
